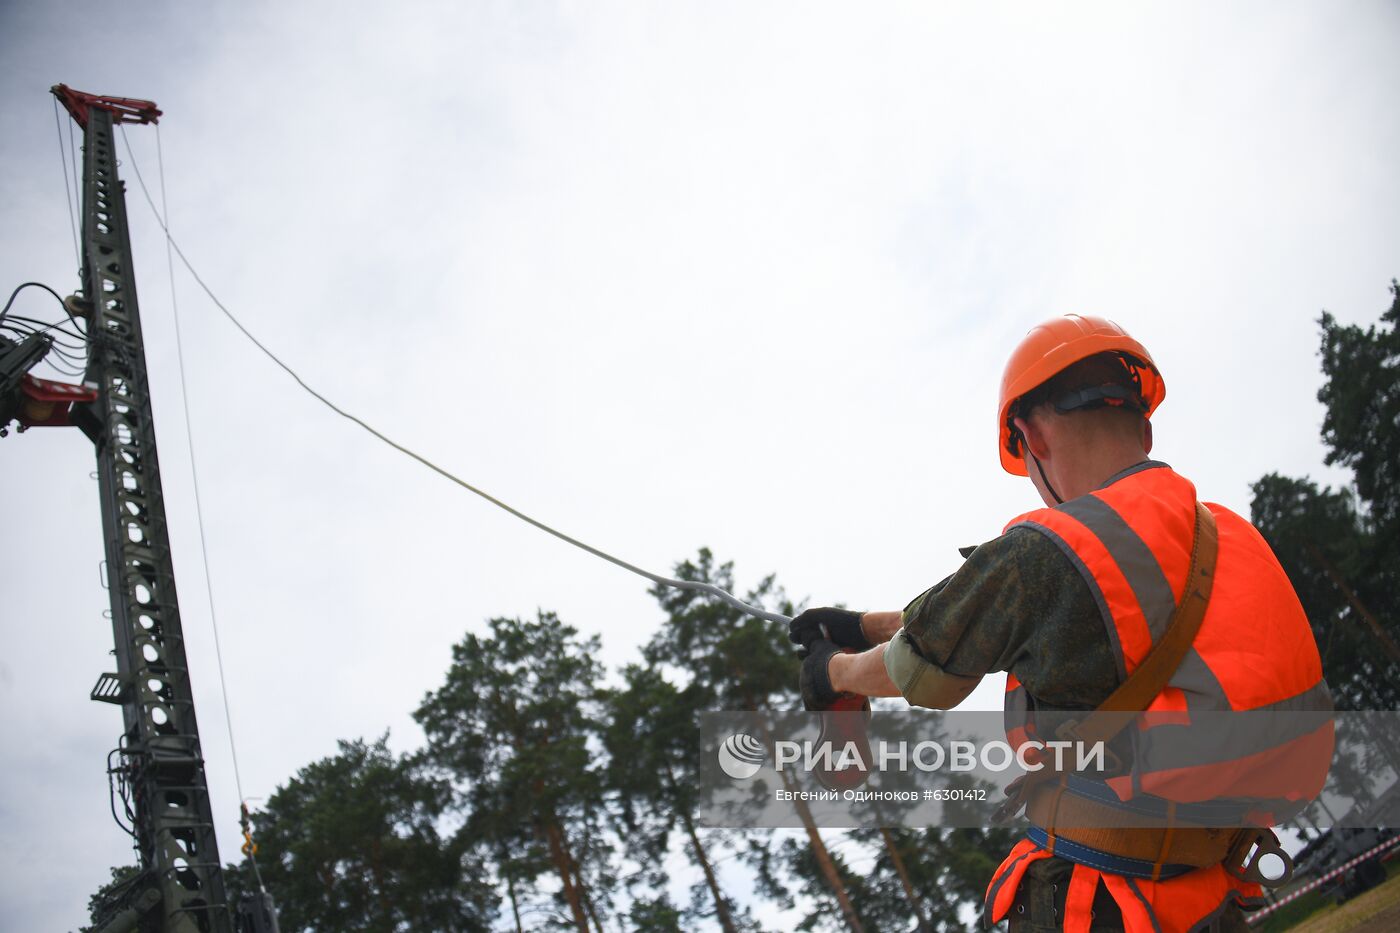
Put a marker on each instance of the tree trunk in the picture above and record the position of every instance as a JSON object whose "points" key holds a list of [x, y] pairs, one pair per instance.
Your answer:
{"points": [[828, 867], [578, 883], [560, 858], [823, 857], [1335, 576], [377, 865], [514, 904], [726, 920], [914, 903], [722, 914], [327, 877], [583, 892]]}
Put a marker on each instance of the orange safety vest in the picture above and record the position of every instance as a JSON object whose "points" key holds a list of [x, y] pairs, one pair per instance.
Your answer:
{"points": [[1131, 541]]}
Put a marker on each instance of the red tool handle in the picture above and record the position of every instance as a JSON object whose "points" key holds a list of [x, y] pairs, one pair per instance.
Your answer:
{"points": [[845, 724]]}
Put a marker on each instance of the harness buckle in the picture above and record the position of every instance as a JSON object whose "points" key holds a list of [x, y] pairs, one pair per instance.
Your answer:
{"points": [[1258, 843]]}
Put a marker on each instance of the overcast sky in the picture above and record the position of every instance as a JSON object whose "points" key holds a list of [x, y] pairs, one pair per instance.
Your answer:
{"points": [[665, 275]]}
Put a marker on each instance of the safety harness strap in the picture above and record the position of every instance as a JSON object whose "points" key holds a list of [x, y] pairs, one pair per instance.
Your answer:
{"points": [[1081, 854], [1136, 693], [1149, 678]]}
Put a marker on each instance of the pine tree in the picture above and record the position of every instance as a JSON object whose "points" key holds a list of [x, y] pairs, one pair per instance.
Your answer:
{"points": [[511, 725], [1341, 548], [112, 896], [739, 662], [651, 735], [352, 843]]}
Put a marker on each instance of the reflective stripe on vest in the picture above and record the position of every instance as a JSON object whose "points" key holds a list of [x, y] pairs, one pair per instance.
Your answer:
{"points": [[1131, 542]]}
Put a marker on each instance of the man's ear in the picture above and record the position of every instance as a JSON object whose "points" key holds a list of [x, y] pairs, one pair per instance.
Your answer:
{"points": [[1033, 437], [1146, 436]]}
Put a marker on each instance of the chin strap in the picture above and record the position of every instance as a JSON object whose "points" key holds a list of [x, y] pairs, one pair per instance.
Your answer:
{"points": [[1045, 479]]}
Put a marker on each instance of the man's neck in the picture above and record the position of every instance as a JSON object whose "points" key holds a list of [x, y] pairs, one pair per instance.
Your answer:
{"points": [[1097, 469], [1142, 464]]}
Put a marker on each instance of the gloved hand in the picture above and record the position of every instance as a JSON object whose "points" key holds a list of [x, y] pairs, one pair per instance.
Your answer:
{"points": [[817, 692], [842, 628]]}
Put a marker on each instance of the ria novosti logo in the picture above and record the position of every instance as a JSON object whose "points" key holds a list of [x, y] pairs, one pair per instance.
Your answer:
{"points": [[741, 756]]}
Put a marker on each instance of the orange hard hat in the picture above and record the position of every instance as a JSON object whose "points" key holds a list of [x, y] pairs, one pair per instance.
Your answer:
{"points": [[1053, 346]]}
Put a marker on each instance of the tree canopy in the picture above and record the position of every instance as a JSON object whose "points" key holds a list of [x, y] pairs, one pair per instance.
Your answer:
{"points": [[1341, 547]]}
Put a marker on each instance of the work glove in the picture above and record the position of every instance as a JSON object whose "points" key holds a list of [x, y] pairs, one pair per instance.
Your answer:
{"points": [[842, 627], [815, 681]]}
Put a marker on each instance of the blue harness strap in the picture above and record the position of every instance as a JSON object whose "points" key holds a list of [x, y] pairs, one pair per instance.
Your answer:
{"points": [[1103, 861], [1202, 813]]}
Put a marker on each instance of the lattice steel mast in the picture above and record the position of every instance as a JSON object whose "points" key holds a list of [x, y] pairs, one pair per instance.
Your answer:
{"points": [[161, 762]]}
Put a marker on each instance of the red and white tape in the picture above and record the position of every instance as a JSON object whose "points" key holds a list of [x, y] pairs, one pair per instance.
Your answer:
{"points": [[1259, 915]]}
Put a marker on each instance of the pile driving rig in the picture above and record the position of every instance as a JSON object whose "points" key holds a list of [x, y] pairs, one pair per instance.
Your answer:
{"points": [[158, 764]]}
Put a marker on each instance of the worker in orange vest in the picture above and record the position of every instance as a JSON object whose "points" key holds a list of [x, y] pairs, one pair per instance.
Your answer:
{"points": [[1070, 600]]}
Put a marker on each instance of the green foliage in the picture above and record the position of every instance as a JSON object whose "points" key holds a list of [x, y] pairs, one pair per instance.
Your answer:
{"points": [[807, 880], [111, 897], [968, 858], [511, 726], [650, 732], [1341, 548], [656, 915], [884, 903], [1362, 395], [724, 658], [352, 843], [733, 660], [947, 871]]}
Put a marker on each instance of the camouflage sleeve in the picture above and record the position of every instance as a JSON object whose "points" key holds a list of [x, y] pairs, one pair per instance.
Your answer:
{"points": [[1017, 604], [922, 683]]}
